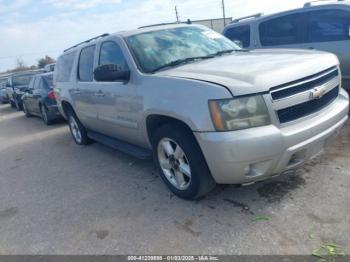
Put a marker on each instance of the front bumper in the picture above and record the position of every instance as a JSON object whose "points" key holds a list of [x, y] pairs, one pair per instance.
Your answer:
{"points": [[251, 155]]}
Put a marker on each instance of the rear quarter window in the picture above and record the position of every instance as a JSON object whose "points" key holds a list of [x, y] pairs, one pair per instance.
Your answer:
{"points": [[328, 25], [240, 34], [64, 67]]}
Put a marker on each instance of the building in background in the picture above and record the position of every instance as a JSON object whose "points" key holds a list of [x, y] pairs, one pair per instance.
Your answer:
{"points": [[217, 24]]}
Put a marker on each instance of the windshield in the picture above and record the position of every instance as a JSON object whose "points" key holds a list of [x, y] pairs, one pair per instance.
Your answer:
{"points": [[156, 49], [21, 80]]}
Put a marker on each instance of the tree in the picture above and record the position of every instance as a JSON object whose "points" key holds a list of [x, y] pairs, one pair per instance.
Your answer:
{"points": [[20, 65], [42, 62]]}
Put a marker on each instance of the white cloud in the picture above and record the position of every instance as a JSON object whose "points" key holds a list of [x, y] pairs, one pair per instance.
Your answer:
{"points": [[80, 4], [53, 33]]}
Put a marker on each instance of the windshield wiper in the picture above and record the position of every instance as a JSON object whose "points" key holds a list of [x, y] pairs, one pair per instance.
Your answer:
{"points": [[229, 51], [182, 61]]}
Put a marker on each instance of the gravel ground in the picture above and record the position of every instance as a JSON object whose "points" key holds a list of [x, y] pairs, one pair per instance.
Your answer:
{"points": [[59, 198]]}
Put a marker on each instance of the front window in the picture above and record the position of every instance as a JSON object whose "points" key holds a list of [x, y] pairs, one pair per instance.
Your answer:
{"points": [[156, 49]]}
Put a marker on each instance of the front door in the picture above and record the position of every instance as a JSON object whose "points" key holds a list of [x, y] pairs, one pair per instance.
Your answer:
{"points": [[117, 102]]}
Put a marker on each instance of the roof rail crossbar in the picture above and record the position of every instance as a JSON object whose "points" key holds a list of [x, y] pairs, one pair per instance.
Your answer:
{"points": [[87, 41], [309, 4], [247, 17]]}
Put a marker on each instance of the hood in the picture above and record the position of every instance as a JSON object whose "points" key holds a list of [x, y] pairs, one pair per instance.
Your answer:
{"points": [[256, 71]]}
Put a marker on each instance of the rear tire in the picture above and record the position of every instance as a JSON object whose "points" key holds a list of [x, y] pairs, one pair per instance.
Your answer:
{"points": [[12, 104], [25, 110], [77, 129], [181, 163], [18, 105], [45, 115]]}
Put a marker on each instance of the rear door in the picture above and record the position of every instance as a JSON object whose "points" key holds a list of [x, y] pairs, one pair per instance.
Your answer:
{"points": [[29, 95], [85, 92]]}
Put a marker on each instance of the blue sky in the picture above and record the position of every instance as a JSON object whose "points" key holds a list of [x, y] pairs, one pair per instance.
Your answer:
{"points": [[30, 29]]}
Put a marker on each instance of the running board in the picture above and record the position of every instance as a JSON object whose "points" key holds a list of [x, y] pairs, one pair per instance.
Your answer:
{"points": [[122, 146]]}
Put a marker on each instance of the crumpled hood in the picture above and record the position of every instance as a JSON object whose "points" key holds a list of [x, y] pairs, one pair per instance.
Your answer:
{"points": [[256, 71]]}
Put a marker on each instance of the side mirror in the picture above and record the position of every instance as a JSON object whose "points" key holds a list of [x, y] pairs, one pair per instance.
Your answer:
{"points": [[111, 73]]}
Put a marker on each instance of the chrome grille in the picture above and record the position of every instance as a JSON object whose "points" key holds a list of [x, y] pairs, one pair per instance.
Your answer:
{"points": [[305, 96]]}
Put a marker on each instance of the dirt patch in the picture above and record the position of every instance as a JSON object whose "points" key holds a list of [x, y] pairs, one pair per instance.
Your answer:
{"points": [[8, 213], [101, 234], [244, 208], [323, 220], [275, 191], [187, 227]]}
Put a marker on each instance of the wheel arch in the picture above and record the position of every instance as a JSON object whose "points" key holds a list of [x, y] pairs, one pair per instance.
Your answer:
{"points": [[155, 121]]}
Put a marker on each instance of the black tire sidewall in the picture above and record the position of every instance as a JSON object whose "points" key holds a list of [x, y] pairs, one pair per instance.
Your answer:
{"points": [[201, 180], [84, 138]]}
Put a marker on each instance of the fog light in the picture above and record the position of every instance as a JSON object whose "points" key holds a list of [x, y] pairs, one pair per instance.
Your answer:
{"points": [[258, 169]]}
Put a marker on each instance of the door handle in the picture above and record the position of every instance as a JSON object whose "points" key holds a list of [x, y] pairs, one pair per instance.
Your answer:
{"points": [[100, 94], [76, 91]]}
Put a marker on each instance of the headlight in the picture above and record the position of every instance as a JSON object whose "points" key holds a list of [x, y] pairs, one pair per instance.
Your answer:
{"points": [[239, 113]]}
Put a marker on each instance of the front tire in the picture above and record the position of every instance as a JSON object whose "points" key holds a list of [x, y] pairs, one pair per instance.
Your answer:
{"points": [[12, 104], [181, 163], [77, 129]]}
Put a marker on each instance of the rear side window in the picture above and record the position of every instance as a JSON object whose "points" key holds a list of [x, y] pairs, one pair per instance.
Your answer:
{"points": [[240, 34], [86, 64], [64, 67], [283, 30], [328, 25], [48, 81]]}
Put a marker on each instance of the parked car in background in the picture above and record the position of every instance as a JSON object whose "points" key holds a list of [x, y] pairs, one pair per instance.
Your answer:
{"points": [[50, 67], [323, 27], [3, 93], [206, 110], [39, 99], [16, 85]]}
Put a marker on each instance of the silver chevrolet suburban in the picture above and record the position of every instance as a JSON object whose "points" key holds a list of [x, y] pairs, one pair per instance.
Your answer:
{"points": [[206, 110]]}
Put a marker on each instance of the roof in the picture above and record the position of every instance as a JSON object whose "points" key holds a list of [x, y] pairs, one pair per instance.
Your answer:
{"points": [[258, 17], [133, 32]]}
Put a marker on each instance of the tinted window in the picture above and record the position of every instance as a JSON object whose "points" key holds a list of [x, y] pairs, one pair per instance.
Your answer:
{"points": [[283, 30], [22, 80], [111, 54], [328, 25], [86, 64], [31, 84], [240, 33], [48, 81], [64, 67]]}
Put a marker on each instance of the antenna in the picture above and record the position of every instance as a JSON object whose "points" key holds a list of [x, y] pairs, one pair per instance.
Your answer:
{"points": [[223, 12], [177, 15]]}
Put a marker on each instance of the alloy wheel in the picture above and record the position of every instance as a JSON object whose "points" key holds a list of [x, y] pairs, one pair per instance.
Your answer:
{"points": [[174, 163]]}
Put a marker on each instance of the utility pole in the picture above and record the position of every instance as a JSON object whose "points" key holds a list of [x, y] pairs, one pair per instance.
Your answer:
{"points": [[177, 15], [223, 12]]}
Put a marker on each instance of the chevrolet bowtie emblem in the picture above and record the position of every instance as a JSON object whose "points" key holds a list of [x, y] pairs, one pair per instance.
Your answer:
{"points": [[317, 92]]}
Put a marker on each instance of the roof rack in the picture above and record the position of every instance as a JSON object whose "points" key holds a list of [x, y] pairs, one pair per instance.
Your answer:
{"points": [[309, 4], [87, 41], [247, 17], [188, 22]]}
